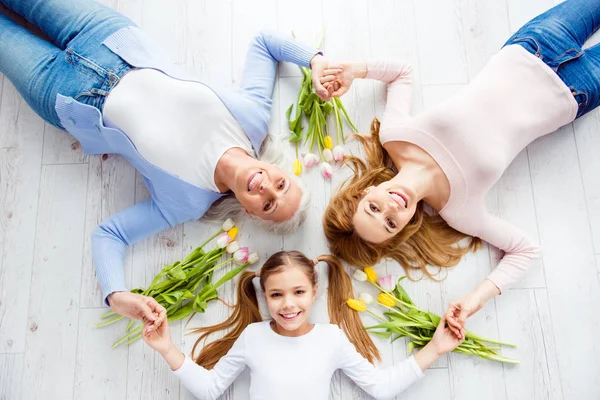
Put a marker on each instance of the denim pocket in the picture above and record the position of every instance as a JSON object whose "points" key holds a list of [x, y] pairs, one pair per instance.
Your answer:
{"points": [[530, 44]]}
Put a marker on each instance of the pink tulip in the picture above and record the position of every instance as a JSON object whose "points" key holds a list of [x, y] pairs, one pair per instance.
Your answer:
{"points": [[386, 283], [241, 256], [223, 240], [326, 170], [310, 160], [338, 153]]}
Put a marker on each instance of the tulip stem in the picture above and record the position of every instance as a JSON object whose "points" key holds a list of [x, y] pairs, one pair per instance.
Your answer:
{"points": [[376, 316]]}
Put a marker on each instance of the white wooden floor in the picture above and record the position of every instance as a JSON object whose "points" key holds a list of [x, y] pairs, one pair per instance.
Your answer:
{"points": [[52, 196]]}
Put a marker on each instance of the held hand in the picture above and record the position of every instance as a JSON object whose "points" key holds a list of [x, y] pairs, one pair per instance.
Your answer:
{"points": [[319, 66], [444, 339], [459, 310], [338, 78], [157, 338], [136, 306]]}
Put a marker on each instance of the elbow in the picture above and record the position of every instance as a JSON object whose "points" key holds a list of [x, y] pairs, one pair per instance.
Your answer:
{"points": [[104, 232]]}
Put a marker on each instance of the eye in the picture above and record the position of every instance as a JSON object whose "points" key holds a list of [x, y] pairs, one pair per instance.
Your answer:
{"points": [[275, 295], [300, 291], [281, 185], [391, 224], [267, 205], [373, 208]]}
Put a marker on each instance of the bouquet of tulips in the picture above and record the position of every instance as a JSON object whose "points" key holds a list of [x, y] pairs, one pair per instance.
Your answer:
{"points": [[316, 112], [405, 319], [185, 287]]}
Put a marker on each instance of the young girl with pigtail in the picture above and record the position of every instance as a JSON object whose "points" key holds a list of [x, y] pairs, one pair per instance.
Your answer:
{"points": [[290, 358]]}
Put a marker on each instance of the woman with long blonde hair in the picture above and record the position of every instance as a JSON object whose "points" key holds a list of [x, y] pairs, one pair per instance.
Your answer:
{"points": [[451, 155], [290, 358]]}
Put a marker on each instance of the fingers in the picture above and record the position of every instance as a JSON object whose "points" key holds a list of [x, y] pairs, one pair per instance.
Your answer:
{"points": [[332, 71], [455, 326], [328, 78], [159, 311]]}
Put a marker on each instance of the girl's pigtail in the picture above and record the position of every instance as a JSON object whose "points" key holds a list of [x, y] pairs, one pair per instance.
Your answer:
{"points": [[245, 312], [340, 289]]}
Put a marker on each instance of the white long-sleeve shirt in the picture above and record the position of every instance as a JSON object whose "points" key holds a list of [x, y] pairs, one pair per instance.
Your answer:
{"points": [[476, 134], [292, 368]]}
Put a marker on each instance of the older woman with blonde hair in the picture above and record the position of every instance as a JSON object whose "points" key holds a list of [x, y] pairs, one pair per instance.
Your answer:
{"points": [[451, 155]]}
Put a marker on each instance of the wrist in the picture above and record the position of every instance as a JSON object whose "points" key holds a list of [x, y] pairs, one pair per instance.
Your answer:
{"points": [[316, 58], [427, 355], [359, 70], [111, 297], [486, 290]]}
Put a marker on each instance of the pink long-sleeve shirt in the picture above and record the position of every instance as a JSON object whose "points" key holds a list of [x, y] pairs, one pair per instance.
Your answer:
{"points": [[475, 135]]}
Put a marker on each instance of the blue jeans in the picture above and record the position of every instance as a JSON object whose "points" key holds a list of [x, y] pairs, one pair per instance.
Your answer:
{"points": [[74, 64], [557, 36]]}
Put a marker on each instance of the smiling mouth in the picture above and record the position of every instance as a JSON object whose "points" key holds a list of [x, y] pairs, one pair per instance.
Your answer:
{"points": [[400, 199], [254, 180], [290, 317]]}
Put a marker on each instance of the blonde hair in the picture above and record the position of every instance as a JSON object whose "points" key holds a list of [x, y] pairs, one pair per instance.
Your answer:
{"points": [[246, 310], [426, 239]]}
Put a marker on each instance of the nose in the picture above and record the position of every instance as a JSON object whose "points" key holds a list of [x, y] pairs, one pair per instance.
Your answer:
{"points": [[266, 187], [288, 302]]}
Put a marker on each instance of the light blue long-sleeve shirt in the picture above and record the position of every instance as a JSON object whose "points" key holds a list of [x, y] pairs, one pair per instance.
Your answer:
{"points": [[173, 200]]}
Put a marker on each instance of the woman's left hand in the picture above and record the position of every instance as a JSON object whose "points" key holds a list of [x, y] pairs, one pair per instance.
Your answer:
{"points": [[461, 309], [319, 66]]}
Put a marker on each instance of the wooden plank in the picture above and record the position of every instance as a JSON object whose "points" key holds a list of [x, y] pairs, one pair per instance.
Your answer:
{"points": [[163, 24], [587, 139], [148, 376], [99, 370], [305, 20], [208, 52], [486, 28], [60, 147], [440, 36], [490, 377], [11, 371], [523, 320], [569, 261], [54, 300], [435, 385], [111, 187], [20, 158]]}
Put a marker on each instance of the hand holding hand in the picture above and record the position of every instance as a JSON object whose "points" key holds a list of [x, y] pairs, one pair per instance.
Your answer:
{"points": [[320, 66], [136, 306], [158, 338], [459, 310], [338, 78], [444, 339]]}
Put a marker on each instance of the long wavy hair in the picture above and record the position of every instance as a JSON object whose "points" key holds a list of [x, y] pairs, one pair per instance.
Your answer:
{"points": [[426, 239], [246, 310]]}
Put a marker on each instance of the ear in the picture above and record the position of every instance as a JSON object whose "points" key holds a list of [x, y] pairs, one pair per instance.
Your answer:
{"points": [[316, 290]]}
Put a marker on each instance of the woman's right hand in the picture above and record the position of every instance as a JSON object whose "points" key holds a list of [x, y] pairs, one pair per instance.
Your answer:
{"points": [[338, 78], [157, 338]]}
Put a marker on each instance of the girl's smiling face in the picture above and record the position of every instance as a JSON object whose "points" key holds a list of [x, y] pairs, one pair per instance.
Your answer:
{"points": [[290, 296]]}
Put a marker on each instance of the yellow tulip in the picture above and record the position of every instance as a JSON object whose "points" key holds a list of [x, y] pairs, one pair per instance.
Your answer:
{"points": [[371, 274], [232, 233], [356, 305], [328, 142], [386, 300], [297, 167]]}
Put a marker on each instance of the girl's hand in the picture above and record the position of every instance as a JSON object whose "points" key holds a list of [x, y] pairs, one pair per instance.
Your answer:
{"points": [[444, 339], [157, 338], [459, 310], [338, 78]]}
